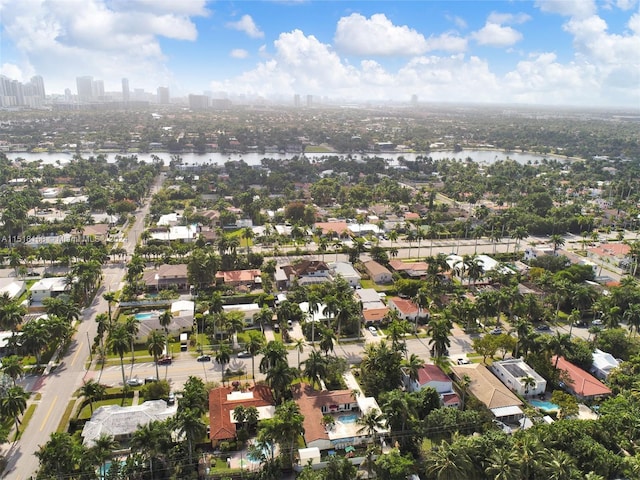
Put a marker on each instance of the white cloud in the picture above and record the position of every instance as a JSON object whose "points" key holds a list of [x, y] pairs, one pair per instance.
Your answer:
{"points": [[496, 35], [12, 71], [238, 53], [94, 37], [246, 25], [457, 21], [447, 42], [377, 35], [519, 18], [626, 4], [568, 8]]}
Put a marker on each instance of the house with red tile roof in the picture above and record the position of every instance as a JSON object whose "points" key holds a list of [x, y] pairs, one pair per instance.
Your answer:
{"points": [[333, 228], [430, 375], [580, 383], [250, 278], [343, 406], [222, 402], [406, 308], [410, 269]]}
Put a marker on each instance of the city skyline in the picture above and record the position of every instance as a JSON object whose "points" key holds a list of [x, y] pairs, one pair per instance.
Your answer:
{"points": [[569, 53]]}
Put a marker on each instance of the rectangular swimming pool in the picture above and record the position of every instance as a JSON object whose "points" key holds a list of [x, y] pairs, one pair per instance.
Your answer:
{"points": [[351, 418], [544, 405]]}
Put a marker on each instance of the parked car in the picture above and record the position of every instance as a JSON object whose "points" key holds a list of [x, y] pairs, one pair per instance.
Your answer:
{"points": [[244, 354], [134, 382], [597, 322], [464, 361], [171, 399], [543, 327], [164, 361], [150, 380], [503, 426], [373, 331], [496, 331], [204, 358]]}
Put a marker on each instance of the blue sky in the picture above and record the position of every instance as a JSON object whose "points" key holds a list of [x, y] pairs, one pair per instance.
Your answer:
{"points": [[551, 52]]}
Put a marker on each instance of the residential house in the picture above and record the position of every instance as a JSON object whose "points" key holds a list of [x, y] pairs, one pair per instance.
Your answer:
{"points": [[406, 308], [459, 268], [249, 278], [580, 383], [410, 269], [166, 276], [616, 254], [532, 253], [48, 287], [519, 377], [98, 232], [373, 308], [346, 271], [379, 274], [12, 287], [181, 321], [121, 422], [343, 406], [248, 310], [181, 233], [430, 375], [222, 402], [491, 392], [603, 364], [332, 229], [304, 272]]}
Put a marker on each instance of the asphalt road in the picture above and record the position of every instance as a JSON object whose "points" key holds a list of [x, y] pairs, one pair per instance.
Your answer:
{"points": [[57, 388]]}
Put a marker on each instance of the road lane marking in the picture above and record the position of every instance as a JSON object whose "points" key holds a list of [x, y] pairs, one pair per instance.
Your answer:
{"points": [[48, 413], [76, 355]]}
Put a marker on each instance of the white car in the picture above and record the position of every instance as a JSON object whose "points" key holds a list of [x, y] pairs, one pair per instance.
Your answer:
{"points": [[134, 382], [373, 331]]}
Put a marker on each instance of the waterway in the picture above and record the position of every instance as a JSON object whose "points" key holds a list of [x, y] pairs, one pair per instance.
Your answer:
{"points": [[480, 156]]}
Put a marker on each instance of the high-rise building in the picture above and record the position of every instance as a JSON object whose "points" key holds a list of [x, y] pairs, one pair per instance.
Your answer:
{"points": [[85, 88], [98, 89], [163, 95], [309, 100], [38, 85], [414, 99], [198, 102], [296, 101], [125, 90]]}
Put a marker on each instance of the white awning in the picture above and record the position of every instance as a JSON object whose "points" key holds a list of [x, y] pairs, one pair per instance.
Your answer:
{"points": [[506, 411]]}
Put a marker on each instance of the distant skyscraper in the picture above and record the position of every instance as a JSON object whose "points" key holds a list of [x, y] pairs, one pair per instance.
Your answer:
{"points": [[38, 85], [414, 99], [163, 95], [296, 101], [98, 89], [309, 100], [85, 88], [198, 102], [125, 89]]}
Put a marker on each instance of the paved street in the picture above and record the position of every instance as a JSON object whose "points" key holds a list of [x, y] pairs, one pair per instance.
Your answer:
{"points": [[57, 388]]}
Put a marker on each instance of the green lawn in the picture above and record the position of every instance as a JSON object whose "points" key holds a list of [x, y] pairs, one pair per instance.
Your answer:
{"points": [[26, 418]]}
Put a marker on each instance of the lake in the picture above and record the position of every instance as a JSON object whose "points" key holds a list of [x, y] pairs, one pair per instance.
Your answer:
{"points": [[480, 156]]}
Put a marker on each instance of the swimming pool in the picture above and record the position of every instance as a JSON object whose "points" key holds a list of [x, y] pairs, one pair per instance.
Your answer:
{"points": [[145, 315], [544, 405], [348, 418]]}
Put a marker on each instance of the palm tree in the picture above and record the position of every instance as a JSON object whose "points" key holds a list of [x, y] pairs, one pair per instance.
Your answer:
{"points": [[326, 340], [371, 423], [92, 391], [253, 346], [632, 317], [528, 382], [247, 234], [279, 378], [132, 326], [502, 465], [191, 426], [439, 329], [557, 241], [155, 346], [110, 297], [102, 450], [412, 366], [119, 344], [12, 367], [13, 404], [165, 320], [448, 462], [273, 353], [298, 345], [315, 367], [222, 357], [559, 465]]}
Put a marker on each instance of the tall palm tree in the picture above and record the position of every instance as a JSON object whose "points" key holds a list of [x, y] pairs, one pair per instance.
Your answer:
{"points": [[279, 378], [632, 317], [155, 346], [92, 391], [371, 423], [222, 357], [132, 326], [165, 320], [12, 367], [102, 450], [13, 404], [315, 367], [327, 340], [557, 241], [502, 465], [298, 345], [119, 344], [274, 352], [110, 297], [448, 462], [247, 234], [439, 331], [253, 346], [412, 366], [190, 424]]}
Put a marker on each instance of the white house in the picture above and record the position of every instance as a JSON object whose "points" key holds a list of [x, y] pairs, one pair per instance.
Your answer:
{"points": [[346, 271], [12, 287], [184, 233], [430, 375], [247, 309], [540, 251], [603, 363], [519, 377], [48, 287]]}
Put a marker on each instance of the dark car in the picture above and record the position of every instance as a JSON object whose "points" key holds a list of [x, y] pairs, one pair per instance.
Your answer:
{"points": [[204, 358], [244, 354], [543, 327], [164, 361]]}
